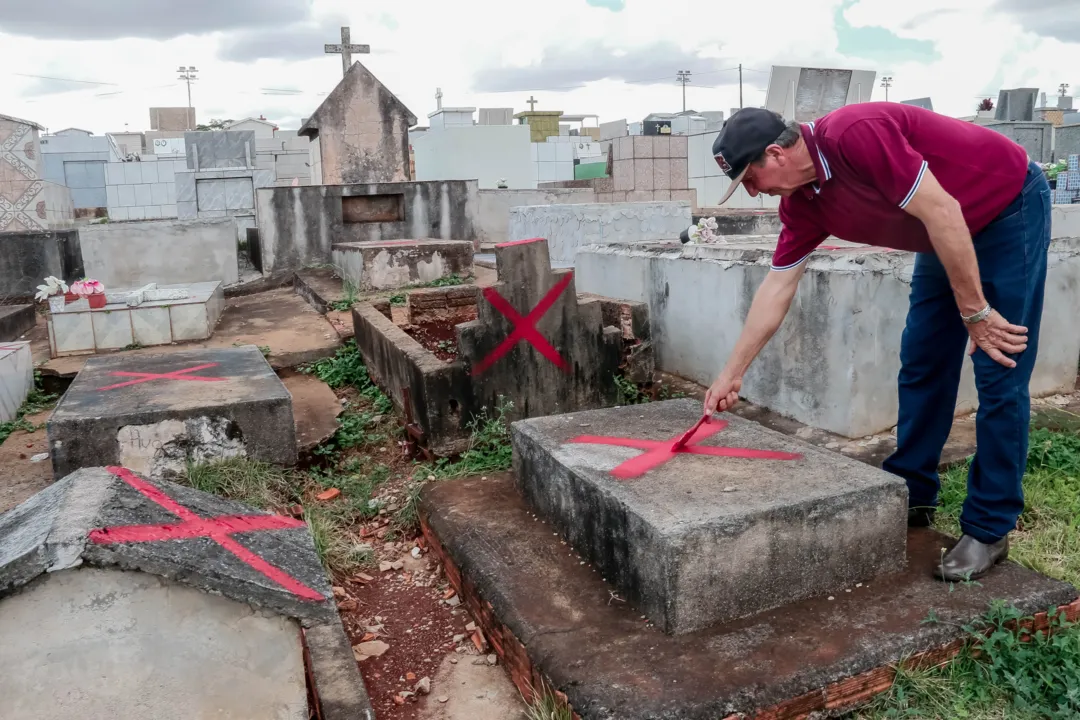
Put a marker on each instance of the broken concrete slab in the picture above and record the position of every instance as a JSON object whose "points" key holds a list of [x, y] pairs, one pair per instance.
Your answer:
{"points": [[320, 286], [16, 377], [315, 409], [742, 519], [16, 321], [585, 639], [157, 413], [388, 264], [534, 344], [217, 597]]}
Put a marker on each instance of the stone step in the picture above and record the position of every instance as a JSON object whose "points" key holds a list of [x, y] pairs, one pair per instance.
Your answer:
{"points": [[390, 264], [319, 287], [741, 520], [16, 321], [549, 614]]}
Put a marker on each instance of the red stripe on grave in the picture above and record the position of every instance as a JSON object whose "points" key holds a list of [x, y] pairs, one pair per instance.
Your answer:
{"points": [[219, 529], [525, 327], [393, 242], [660, 452], [519, 242], [175, 375]]}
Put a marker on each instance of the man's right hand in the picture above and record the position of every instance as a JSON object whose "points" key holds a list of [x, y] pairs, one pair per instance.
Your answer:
{"points": [[722, 394]]}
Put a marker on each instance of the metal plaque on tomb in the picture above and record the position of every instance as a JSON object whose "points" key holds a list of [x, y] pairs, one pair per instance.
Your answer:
{"points": [[805, 94]]}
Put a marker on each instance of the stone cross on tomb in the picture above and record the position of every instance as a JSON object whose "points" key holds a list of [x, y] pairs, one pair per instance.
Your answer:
{"points": [[346, 49], [438, 98], [532, 103]]}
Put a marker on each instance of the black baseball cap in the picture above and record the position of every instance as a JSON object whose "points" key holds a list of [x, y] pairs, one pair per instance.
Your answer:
{"points": [[742, 139]]}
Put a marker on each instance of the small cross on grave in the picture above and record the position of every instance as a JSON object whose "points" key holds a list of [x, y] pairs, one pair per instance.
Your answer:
{"points": [[346, 49], [438, 98], [532, 103]]}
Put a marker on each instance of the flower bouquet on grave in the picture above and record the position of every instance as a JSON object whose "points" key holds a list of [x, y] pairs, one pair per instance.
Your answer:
{"points": [[92, 290], [54, 290], [702, 232]]}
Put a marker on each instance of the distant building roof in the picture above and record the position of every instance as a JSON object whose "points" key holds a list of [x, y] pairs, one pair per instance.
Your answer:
{"points": [[22, 122], [71, 130], [251, 119]]}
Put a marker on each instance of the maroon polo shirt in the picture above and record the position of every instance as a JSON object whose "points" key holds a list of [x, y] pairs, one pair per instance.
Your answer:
{"points": [[870, 159]]}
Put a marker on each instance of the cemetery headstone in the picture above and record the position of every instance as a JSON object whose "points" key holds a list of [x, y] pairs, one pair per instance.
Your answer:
{"points": [[125, 597], [739, 520], [156, 414]]}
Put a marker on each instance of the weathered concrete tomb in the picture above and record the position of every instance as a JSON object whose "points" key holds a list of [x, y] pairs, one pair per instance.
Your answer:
{"points": [[533, 343], [16, 377], [749, 574], [124, 597], [149, 315], [299, 226], [156, 413], [834, 362], [398, 263], [739, 520]]}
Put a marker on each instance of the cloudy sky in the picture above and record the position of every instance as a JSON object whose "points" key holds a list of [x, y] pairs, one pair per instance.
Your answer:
{"points": [[99, 65]]}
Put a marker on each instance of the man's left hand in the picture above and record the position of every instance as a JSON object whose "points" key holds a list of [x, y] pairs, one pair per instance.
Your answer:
{"points": [[996, 337]]}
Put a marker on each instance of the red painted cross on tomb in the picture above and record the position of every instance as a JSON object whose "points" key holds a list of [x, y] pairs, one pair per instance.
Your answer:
{"points": [[219, 529], [659, 451], [175, 375], [525, 327]]}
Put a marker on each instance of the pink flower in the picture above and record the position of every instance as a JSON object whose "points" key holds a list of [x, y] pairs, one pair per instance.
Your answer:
{"points": [[87, 287]]}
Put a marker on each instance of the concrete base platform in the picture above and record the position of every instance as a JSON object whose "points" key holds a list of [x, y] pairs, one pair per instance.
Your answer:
{"points": [[550, 616], [16, 321], [156, 413], [16, 377], [740, 520], [388, 264]]}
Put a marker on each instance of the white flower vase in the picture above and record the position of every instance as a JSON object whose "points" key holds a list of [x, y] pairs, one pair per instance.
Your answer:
{"points": [[56, 303]]}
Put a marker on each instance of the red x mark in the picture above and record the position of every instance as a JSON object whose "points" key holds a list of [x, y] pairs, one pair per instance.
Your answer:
{"points": [[659, 451], [175, 375], [219, 529], [525, 327]]}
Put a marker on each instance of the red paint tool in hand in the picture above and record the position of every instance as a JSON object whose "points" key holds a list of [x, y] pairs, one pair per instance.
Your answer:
{"points": [[677, 445]]}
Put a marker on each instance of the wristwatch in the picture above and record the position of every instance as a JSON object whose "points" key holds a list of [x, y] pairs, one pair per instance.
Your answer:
{"points": [[977, 317]]}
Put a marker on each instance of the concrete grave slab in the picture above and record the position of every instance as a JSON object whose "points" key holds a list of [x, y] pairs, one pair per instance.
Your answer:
{"points": [[389, 264], [16, 377], [129, 583], [740, 520], [551, 618], [534, 344], [156, 413], [16, 321]]}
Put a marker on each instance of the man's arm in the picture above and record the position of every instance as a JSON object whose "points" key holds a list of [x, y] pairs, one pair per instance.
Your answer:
{"points": [[944, 221], [767, 311]]}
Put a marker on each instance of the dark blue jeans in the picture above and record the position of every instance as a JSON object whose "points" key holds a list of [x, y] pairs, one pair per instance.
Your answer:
{"points": [[1011, 253]]}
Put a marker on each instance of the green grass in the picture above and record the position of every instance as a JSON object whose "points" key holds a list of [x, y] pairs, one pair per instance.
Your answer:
{"points": [[996, 676], [631, 393], [347, 368], [399, 299], [489, 451], [332, 523], [1001, 677], [36, 401], [352, 294], [546, 706]]}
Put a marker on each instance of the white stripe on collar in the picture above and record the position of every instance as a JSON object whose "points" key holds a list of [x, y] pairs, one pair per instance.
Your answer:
{"points": [[824, 162]]}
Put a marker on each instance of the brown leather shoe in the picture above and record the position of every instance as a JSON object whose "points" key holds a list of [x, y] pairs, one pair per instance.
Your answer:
{"points": [[970, 559]]}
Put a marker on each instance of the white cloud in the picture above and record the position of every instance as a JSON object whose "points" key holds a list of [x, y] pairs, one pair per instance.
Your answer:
{"points": [[472, 44]]}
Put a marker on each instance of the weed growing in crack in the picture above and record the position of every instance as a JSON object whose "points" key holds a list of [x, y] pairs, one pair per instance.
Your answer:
{"points": [[546, 705], [351, 295], [347, 368], [36, 401]]}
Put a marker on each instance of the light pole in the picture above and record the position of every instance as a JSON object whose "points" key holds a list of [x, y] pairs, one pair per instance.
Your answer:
{"points": [[886, 82], [682, 77], [188, 74], [1063, 88]]}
